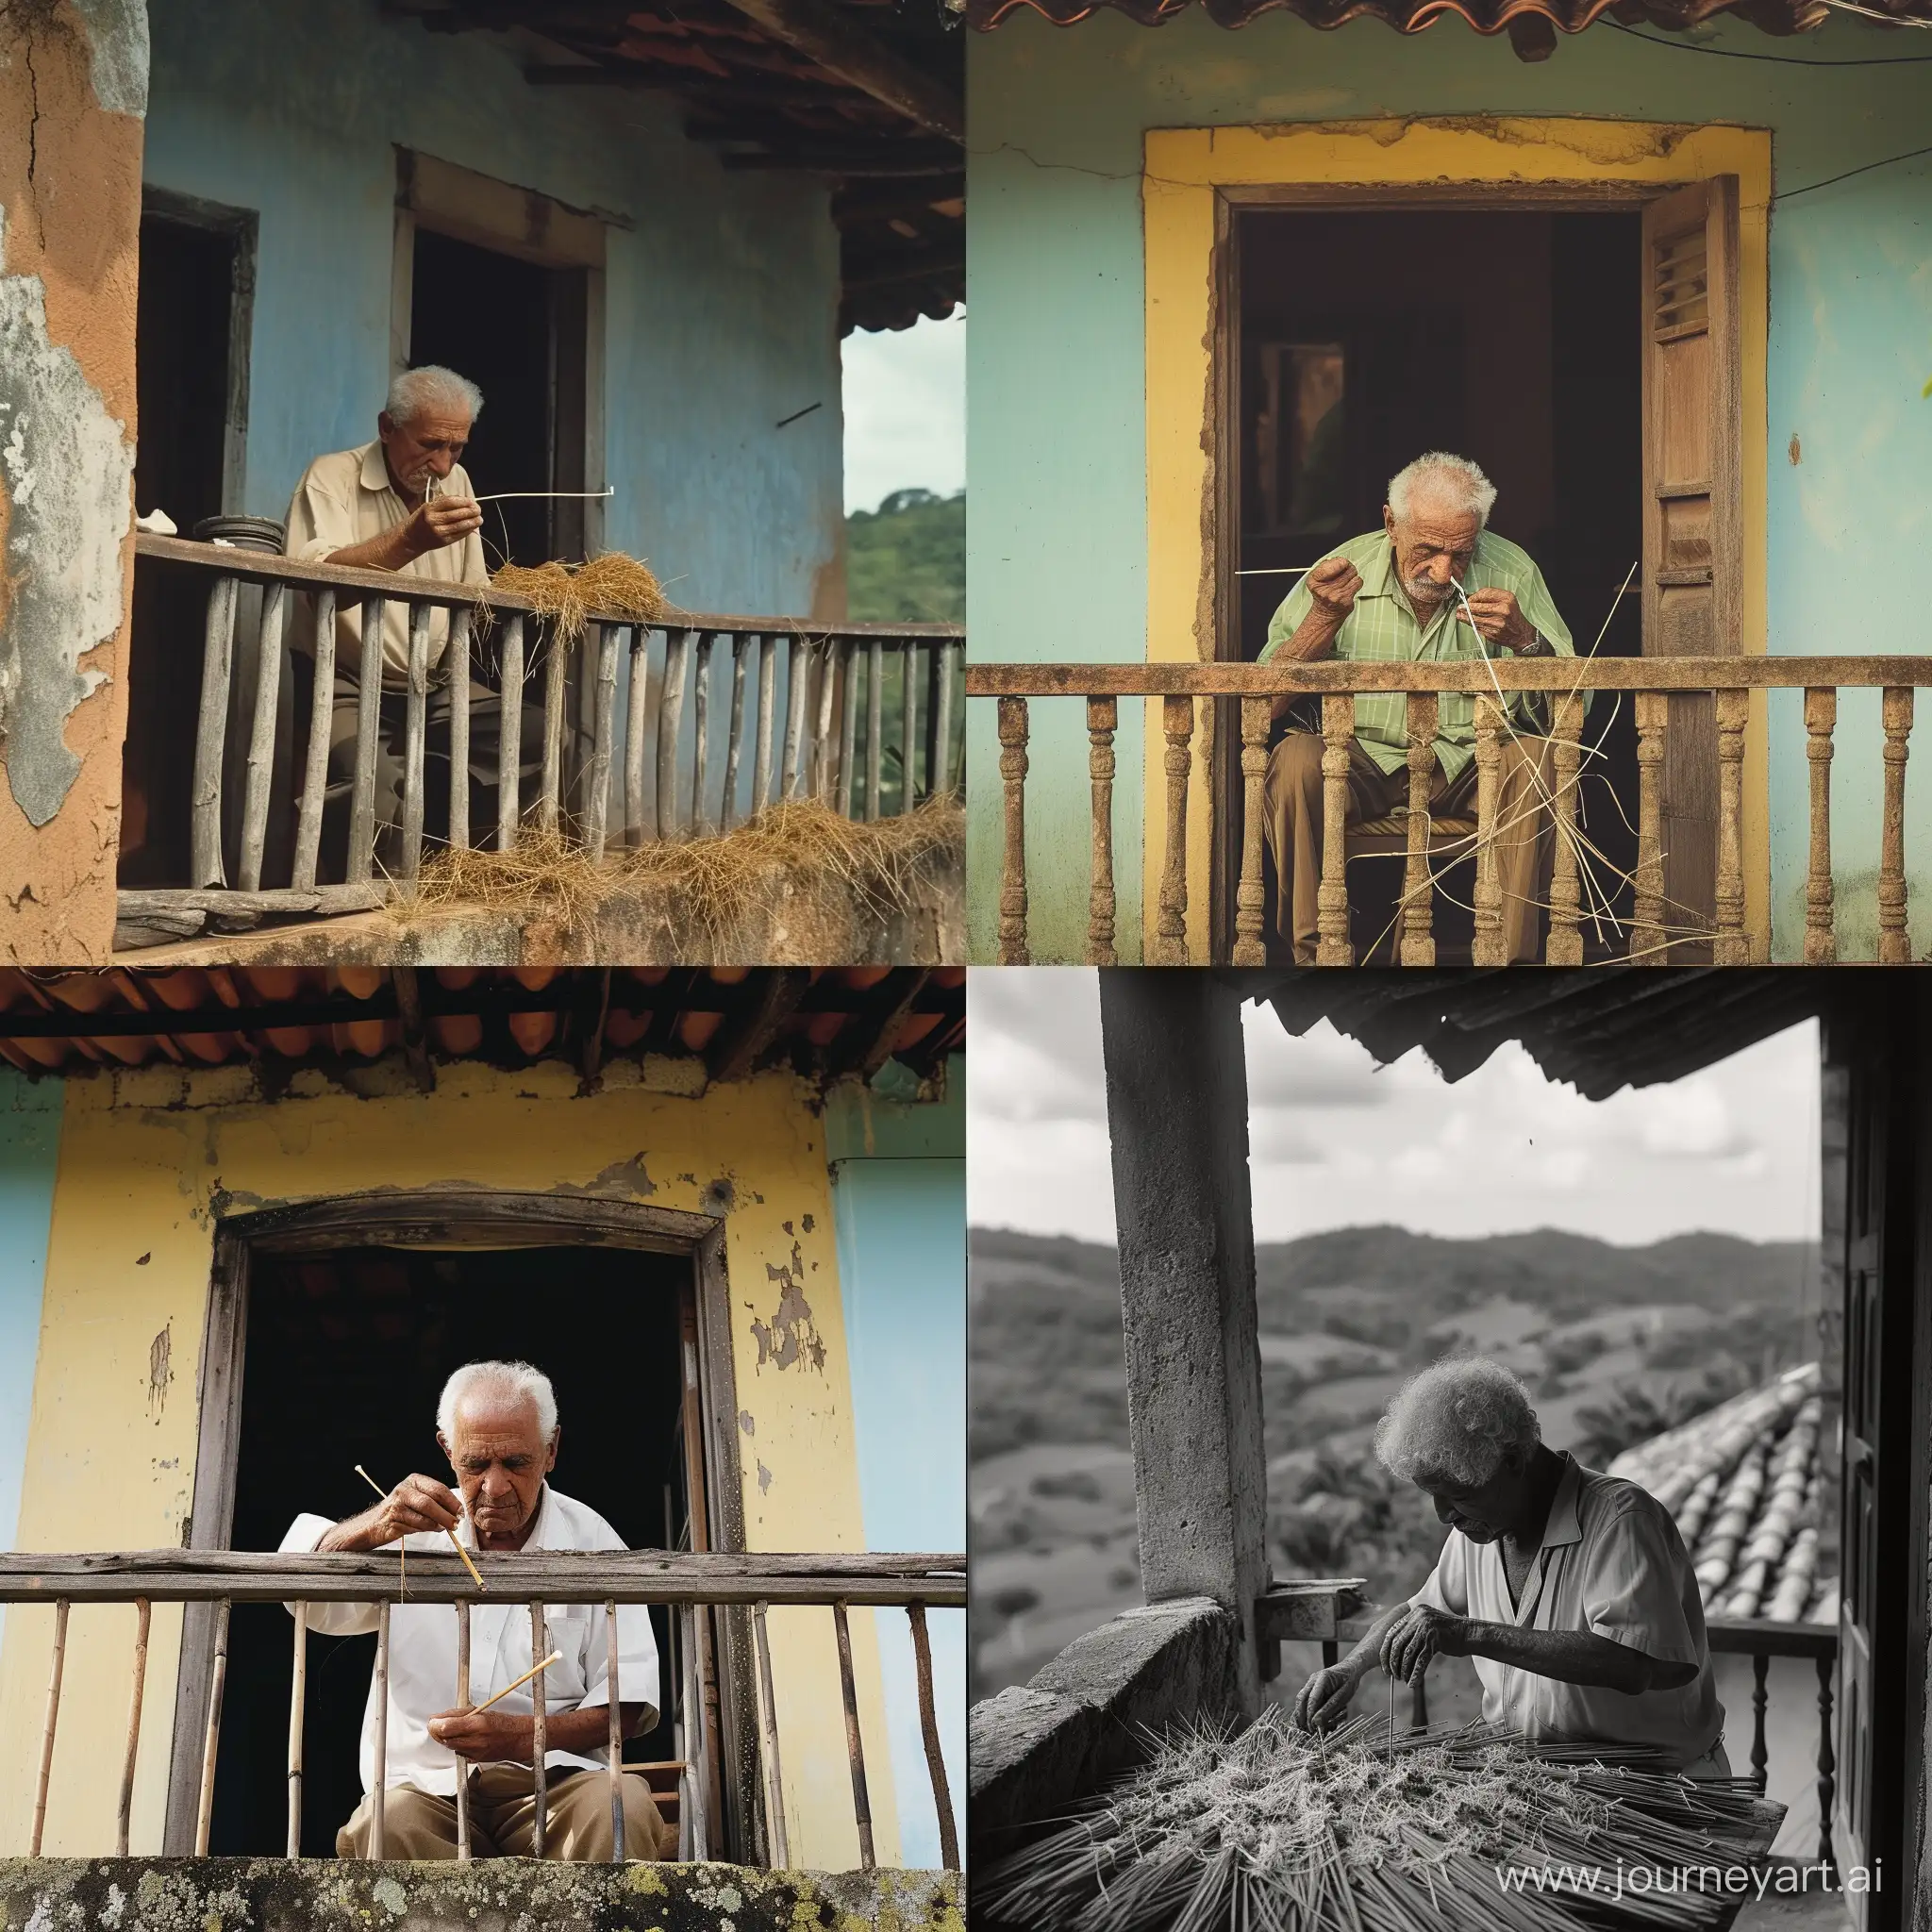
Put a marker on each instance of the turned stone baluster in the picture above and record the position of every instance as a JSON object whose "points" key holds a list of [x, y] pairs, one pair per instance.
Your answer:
{"points": [[1012, 933], [1417, 888], [1647, 947], [1730, 946], [1827, 1762], [1171, 928], [1489, 948], [1760, 1704], [1565, 947], [1103, 714], [1251, 897], [1894, 944], [1821, 719], [1332, 944]]}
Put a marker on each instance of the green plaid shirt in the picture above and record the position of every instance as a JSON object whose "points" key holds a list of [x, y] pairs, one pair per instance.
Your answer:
{"points": [[1382, 625]]}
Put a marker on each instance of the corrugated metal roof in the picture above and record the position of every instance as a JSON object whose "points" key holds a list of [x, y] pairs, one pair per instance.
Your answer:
{"points": [[823, 1021]]}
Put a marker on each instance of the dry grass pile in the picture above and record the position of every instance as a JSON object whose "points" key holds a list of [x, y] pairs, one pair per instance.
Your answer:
{"points": [[568, 594], [1270, 1828], [716, 884]]}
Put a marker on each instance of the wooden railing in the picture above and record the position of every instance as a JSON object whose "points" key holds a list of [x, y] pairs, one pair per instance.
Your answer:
{"points": [[605, 779], [689, 1583], [1656, 925]]}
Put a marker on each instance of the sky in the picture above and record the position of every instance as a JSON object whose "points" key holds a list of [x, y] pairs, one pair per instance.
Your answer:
{"points": [[1336, 1142], [905, 410]]}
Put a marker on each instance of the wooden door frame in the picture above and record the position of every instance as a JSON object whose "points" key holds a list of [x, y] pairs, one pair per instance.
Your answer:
{"points": [[455, 1217], [1194, 180]]}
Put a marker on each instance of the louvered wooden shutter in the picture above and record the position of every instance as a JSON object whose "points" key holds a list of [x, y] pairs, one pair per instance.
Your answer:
{"points": [[1692, 552]]}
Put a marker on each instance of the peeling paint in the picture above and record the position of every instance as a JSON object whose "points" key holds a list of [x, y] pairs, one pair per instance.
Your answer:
{"points": [[747, 1422], [623, 1177], [160, 1370], [117, 44], [791, 1336], [764, 1480]]}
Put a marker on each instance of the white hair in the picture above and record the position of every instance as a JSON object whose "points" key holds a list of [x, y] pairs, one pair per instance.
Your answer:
{"points": [[1445, 478], [1451, 1425], [513, 1379], [432, 387]]}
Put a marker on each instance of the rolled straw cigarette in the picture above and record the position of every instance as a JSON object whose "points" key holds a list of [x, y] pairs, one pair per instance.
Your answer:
{"points": [[543, 1665], [450, 1533]]}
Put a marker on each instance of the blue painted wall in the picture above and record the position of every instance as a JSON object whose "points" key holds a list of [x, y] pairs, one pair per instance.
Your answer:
{"points": [[30, 1150], [899, 1199], [722, 296], [1056, 450]]}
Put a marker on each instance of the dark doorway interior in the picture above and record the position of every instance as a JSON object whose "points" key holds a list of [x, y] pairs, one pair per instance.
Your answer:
{"points": [[518, 332], [1511, 337], [191, 399], [348, 1352]]}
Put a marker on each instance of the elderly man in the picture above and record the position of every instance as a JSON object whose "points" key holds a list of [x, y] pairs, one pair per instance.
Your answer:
{"points": [[497, 1425], [1434, 582], [404, 504], [1570, 1591]]}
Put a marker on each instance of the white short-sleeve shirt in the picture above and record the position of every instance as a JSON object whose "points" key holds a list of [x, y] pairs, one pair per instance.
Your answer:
{"points": [[423, 1649], [1612, 1563]]}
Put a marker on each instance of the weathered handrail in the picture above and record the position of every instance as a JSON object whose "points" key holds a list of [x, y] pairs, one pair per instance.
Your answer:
{"points": [[612, 768], [1656, 925], [688, 1583]]}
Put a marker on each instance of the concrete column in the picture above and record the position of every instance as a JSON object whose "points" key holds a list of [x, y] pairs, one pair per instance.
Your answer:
{"points": [[1177, 1111], [73, 96]]}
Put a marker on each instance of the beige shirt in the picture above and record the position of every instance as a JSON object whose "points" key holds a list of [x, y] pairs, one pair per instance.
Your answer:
{"points": [[1612, 1563], [345, 499]]}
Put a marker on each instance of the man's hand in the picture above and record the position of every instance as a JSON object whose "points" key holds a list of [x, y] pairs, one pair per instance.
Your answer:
{"points": [[485, 1737], [1423, 1633], [1498, 618], [1333, 585], [416, 1503], [438, 522], [1325, 1698]]}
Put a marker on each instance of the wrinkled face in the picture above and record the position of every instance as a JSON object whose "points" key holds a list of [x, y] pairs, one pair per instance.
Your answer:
{"points": [[1434, 547], [429, 444], [1483, 1513], [500, 1457]]}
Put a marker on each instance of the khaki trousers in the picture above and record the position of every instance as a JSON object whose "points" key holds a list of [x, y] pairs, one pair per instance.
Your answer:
{"points": [[1292, 820], [502, 1819]]}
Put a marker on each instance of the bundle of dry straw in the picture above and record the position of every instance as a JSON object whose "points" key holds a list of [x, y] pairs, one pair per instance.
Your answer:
{"points": [[717, 884], [566, 593], [1366, 1831]]}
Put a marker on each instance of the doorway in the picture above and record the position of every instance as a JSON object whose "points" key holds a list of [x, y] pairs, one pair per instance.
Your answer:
{"points": [[1511, 336]]}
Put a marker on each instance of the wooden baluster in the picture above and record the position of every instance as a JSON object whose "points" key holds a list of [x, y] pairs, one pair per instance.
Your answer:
{"points": [[1648, 947], [1333, 946], [908, 741], [603, 743], [875, 727], [509, 743], [540, 1738], [315, 767], [1565, 945], [1894, 943], [1827, 1762], [825, 750], [701, 735], [378, 1816], [930, 1733], [555, 671], [698, 1776], [143, 1613], [1418, 887], [854, 1746], [777, 1849], [298, 1691], [767, 697], [455, 671], [637, 701], [797, 677], [1821, 719], [670, 717], [211, 735], [1730, 946], [1102, 717], [848, 726], [368, 720], [261, 736], [1251, 896], [946, 665], [734, 748], [615, 1712], [1170, 926], [1490, 947], [415, 740], [212, 1735], [1013, 712], [463, 1847], [48, 1726], [1761, 1703]]}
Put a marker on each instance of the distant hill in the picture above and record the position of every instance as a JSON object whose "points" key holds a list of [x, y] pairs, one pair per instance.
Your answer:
{"points": [[905, 561]]}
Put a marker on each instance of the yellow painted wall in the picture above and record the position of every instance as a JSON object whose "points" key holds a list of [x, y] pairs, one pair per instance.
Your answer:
{"points": [[1186, 169], [111, 1446]]}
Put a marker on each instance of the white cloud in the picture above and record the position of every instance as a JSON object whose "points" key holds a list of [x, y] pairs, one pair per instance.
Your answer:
{"points": [[905, 410]]}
